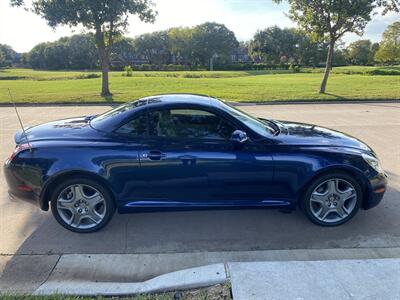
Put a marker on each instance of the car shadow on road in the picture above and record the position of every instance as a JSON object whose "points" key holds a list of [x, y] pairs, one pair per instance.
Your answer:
{"points": [[220, 230]]}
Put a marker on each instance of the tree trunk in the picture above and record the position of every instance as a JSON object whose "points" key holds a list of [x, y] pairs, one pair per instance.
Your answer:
{"points": [[328, 66], [104, 56], [105, 91]]}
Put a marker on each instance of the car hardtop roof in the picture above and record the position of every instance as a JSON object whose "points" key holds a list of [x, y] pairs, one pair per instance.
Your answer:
{"points": [[180, 99]]}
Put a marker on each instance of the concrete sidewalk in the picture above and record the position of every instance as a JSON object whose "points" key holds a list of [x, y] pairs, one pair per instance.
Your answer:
{"points": [[277, 274], [333, 279]]}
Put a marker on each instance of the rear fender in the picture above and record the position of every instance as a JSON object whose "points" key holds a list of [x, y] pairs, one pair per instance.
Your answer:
{"points": [[52, 182]]}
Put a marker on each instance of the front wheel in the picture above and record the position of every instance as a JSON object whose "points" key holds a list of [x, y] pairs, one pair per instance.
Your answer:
{"points": [[82, 205], [332, 199]]}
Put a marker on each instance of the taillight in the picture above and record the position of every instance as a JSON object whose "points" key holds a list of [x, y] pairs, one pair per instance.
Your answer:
{"points": [[18, 149]]}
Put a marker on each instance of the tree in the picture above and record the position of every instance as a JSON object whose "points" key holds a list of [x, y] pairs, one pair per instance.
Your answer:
{"points": [[328, 21], [107, 18], [74, 52], [360, 52], [7, 56], [389, 50], [274, 43], [211, 40], [340, 56], [3, 61], [36, 57], [154, 46], [307, 52], [56, 56], [123, 52], [180, 44], [82, 52]]}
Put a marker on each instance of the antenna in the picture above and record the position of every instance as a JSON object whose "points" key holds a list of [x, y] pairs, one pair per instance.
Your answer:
{"points": [[20, 121]]}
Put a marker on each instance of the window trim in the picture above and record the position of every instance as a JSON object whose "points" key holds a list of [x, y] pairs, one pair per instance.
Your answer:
{"points": [[214, 110], [189, 107], [134, 116]]}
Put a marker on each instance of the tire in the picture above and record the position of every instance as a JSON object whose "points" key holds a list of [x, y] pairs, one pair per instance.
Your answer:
{"points": [[322, 200], [82, 205]]}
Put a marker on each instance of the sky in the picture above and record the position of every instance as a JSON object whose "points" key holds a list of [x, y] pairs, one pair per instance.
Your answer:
{"points": [[22, 30]]}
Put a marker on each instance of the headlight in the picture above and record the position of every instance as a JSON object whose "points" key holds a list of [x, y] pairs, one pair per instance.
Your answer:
{"points": [[373, 162]]}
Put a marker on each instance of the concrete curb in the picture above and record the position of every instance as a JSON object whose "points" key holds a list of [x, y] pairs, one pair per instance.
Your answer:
{"points": [[115, 274], [179, 280]]}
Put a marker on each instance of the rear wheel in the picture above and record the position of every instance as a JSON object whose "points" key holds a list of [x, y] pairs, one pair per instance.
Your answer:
{"points": [[82, 205], [332, 199]]}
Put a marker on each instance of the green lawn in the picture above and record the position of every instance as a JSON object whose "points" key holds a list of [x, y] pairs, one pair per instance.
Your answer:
{"points": [[64, 86]]}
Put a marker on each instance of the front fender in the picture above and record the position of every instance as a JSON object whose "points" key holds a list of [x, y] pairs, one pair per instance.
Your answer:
{"points": [[358, 174]]}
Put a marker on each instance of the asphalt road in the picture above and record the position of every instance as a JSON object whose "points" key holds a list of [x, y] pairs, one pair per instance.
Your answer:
{"points": [[24, 229]]}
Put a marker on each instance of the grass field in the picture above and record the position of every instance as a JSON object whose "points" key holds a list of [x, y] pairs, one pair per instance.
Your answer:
{"points": [[67, 86]]}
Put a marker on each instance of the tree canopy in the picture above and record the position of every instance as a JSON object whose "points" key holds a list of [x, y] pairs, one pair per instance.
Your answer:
{"points": [[154, 46], [7, 55], [274, 45], [210, 40], [389, 50], [74, 52], [106, 18], [361, 52], [328, 21], [180, 41]]}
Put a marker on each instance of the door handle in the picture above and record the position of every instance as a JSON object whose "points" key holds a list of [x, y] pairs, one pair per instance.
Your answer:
{"points": [[156, 155]]}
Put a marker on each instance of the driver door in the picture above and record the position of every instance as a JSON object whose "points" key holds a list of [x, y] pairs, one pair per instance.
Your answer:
{"points": [[189, 160]]}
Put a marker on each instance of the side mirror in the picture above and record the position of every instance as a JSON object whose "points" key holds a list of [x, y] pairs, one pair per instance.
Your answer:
{"points": [[239, 137]]}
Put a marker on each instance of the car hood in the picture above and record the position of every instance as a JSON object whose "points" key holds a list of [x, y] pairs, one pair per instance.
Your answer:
{"points": [[70, 129], [293, 133]]}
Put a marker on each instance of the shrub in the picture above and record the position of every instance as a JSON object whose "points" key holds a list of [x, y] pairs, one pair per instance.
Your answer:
{"points": [[88, 76], [128, 71], [383, 72], [192, 75], [261, 66], [144, 67], [294, 68], [172, 67], [13, 77], [234, 67]]}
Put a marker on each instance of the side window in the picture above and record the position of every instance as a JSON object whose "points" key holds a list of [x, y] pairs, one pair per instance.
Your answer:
{"points": [[188, 123], [136, 127]]}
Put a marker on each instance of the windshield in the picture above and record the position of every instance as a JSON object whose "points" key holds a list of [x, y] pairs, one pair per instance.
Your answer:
{"points": [[116, 111], [253, 123], [104, 121]]}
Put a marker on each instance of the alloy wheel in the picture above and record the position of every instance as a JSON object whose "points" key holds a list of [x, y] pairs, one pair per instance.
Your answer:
{"points": [[81, 206], [333, 200]]}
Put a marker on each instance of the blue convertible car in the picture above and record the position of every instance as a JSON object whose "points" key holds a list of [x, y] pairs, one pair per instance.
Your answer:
{"points": [[174, 152]]}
